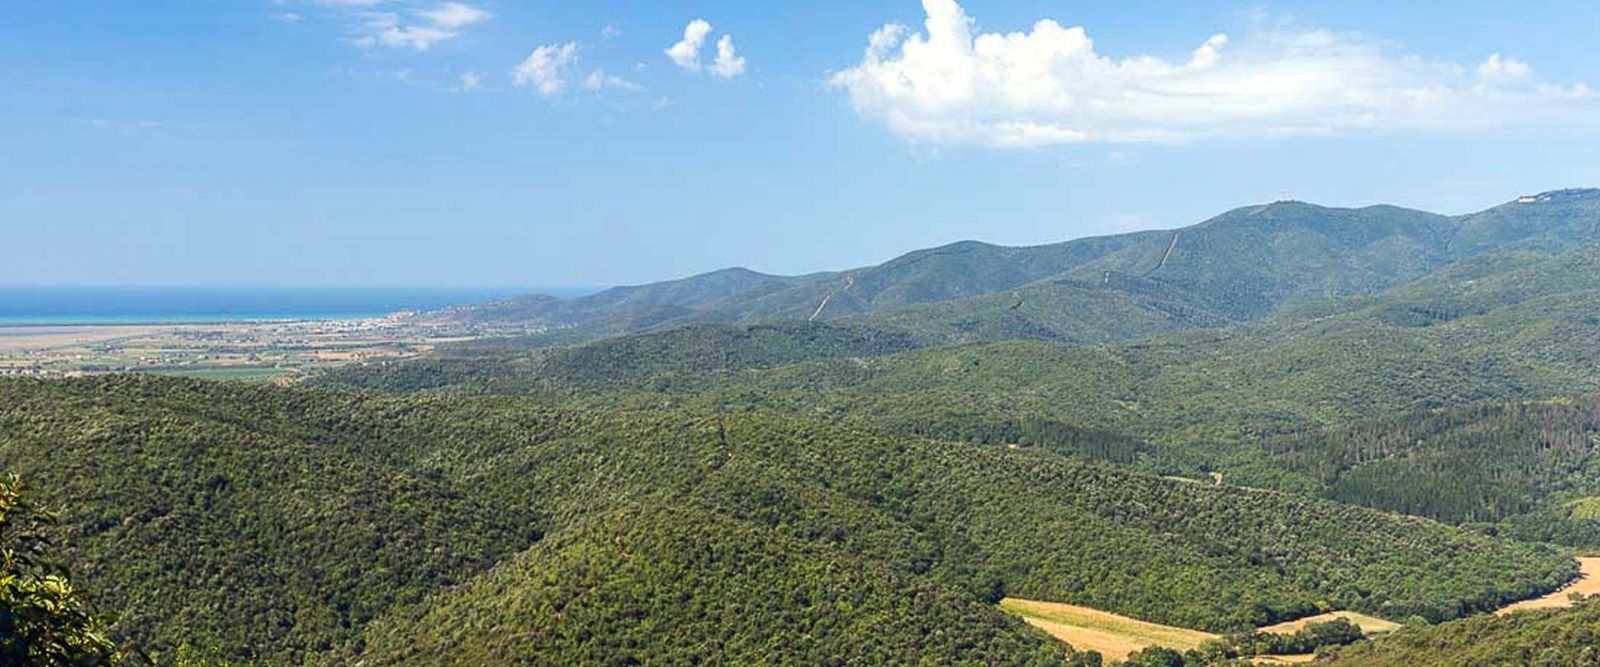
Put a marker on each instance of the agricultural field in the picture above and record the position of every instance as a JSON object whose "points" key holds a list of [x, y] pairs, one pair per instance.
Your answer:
{"points": [[1371, 625], [1116, 637], [280, 351], [1585, 586], [1112, 635]]}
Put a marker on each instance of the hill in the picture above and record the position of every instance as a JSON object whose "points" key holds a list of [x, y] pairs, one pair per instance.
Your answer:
{"points": [[1532, 638], [1544, 222], [1534, 463], [1242, 265], [1514, 325], [1113, 307], [666, 300], [1247, 401], [675, 585], [326, 517], [1256, 259], [954, 271], [686, 356], [186, 517]]}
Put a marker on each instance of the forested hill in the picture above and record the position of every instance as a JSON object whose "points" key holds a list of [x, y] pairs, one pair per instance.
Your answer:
{"points": [[347, 524], [1241, 265], [847, 486], [1564, 638], [1506, 326], [1463, 346], [689, 356], [1535, 463]]}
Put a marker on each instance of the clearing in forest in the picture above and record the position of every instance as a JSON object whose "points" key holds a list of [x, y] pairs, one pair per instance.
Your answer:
{"points": [[1588, 583], [1370, 625], [1283, 659], [1113, 636]]}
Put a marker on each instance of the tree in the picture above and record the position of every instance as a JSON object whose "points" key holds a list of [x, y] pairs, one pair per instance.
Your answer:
{"points": [[1155, 656], [44, 621]]}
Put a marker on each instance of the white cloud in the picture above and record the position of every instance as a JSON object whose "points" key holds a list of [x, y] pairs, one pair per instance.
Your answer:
{"points": [[1500, 69], [469, 81], [385, 28], [372, 25], [1046, 86], [610, 32], [288, 17], [686, 53], [454, 15], [599, 80], [728, 63], [546, 68]]}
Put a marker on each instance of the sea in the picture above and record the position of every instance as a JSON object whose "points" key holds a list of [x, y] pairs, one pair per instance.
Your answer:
{"points": [[38, 305]]}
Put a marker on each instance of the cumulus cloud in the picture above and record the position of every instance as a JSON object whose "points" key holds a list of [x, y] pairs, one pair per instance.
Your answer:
{"points": [[953, 85], [686, 52], [728, 63], [1500, 69], [546, 68]]}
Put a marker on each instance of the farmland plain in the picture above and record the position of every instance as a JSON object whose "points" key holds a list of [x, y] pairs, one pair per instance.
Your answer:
{"points": [[281, 351]]}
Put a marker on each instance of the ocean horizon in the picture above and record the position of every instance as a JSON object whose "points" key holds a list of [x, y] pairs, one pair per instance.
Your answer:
{"points": [[100, 305]]}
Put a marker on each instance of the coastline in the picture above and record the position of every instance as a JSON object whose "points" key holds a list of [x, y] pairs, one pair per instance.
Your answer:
{"points": [[180, 320]]}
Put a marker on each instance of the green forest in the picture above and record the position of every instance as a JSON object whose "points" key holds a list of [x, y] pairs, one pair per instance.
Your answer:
{"points": [[1569, 638], [338, 514], [1379, 411]]}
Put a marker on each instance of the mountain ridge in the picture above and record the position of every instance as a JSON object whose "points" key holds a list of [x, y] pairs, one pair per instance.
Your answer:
{"points": [[1242, 264]]}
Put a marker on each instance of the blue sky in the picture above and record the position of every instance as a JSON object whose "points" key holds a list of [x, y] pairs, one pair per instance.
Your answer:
{"points": [[423, 142]]}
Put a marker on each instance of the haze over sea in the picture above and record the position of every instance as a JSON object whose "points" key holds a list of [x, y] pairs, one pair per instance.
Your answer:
{"points": [[151, 304]]}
